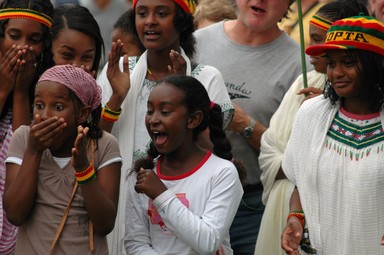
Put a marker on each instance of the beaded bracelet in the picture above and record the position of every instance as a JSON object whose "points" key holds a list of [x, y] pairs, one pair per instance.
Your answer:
{"points": [[86, 176], [110, 115], [299, 215]]}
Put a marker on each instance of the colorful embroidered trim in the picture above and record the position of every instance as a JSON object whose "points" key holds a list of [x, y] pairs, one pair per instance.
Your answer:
{"points": [[188, 6], [110, 115], [355, 136], [299, 215], [320, 22], [86, 176], [18, 13]]}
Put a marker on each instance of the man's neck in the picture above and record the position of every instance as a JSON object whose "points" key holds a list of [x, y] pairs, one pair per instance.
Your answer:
{"points": [[103, 4], [241, 34]]}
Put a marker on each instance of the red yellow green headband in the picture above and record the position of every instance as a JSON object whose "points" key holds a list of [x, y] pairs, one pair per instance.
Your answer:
{"points": [[358, 32], [18, 13], [320, 22], [188, 6]]}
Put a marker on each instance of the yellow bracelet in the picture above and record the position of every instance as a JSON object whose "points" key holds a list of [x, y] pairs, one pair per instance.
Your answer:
{"points": [[110, 115], [86, 176], [117, 113]]}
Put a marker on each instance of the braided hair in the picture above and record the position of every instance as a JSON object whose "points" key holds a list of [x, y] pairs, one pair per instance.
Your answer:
{"points": [[196, 99]]}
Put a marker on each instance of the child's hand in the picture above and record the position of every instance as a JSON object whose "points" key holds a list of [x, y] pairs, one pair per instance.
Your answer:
{"points": [[291, 237], [382, 240], [9, 67], [120, 81], [179, 65], [87, 69], [79, 159], [310, 92], [149, 183], [44, 132], [27, 70]]}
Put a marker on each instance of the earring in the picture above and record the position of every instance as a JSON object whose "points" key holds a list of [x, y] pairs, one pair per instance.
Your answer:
{"points": [[328, 86]]}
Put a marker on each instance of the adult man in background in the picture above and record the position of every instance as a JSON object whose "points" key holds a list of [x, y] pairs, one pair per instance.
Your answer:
{"points": [[258, 62]]}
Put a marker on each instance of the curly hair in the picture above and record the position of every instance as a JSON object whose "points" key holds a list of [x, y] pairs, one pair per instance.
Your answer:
{"points": [[183, 23], [370, 67]]}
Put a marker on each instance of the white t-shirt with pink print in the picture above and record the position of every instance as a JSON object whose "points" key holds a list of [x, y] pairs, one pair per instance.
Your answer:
{"points": [[192, 217]]}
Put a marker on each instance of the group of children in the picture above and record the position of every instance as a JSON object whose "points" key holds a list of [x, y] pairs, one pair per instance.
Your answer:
{"points": [[165, 180], [62, 173]]}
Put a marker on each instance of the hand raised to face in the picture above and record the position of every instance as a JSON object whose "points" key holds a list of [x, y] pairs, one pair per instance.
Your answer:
{"points": [[9, 66], [44, 132]]}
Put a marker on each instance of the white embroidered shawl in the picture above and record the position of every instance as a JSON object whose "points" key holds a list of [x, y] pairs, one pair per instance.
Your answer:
{"points": [[301, 161], [277, 194]]}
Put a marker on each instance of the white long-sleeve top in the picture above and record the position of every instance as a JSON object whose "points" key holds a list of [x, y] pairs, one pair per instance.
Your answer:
{"points": [[130, 129], [192, 217], [336, 161]]}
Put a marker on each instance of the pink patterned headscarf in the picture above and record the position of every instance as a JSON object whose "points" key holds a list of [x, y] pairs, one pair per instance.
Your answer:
{"points": [[77, 80]]}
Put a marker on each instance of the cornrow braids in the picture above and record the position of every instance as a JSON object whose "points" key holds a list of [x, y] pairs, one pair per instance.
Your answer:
{"points": [[342, 9]]}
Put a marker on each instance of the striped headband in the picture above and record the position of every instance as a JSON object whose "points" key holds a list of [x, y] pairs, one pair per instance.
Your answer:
{"points": [[188, 6], [320, 22], [18, 13], [357, 32]]}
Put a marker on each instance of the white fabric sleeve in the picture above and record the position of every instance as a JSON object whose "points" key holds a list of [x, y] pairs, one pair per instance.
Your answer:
{"points": [[300, 145], [205, 233], [275, 138], [111, 161], [14, 160], [137, 240], [218, 92]]}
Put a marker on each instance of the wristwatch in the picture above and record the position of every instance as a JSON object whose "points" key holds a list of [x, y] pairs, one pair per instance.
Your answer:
{"points": [[247, 132]]}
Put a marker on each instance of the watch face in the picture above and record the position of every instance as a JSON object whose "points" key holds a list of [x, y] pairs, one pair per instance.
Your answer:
{"points": [[247, 132]]}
